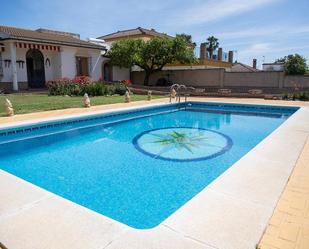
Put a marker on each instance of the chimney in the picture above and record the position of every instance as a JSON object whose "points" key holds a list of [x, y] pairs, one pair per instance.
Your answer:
{"points": [[231, 56], [203, 51], [220, 54], [254, 63]]}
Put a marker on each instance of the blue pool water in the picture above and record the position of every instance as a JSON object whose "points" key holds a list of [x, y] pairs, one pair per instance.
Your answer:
{"points": [[137, 167]]}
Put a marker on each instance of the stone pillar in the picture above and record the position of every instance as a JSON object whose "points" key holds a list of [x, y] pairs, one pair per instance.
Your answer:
{"points": [[231, 56], [220, 54], [14, 67], [203, 51]]}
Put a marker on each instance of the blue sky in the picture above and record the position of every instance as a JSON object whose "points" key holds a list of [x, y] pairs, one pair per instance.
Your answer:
{"points": [[255, 28]]}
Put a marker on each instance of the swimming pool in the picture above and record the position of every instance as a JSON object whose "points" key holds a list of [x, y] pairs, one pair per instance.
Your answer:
{"points": [[137, 166]]}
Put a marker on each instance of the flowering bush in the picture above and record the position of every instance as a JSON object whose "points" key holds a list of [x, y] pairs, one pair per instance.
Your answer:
{"points": [[126, 82], [82, 80], [80, 85], [61, 86]]}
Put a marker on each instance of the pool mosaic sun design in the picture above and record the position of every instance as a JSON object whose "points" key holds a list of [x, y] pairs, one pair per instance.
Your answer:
{"points": [[182, 143], [182, 140]]}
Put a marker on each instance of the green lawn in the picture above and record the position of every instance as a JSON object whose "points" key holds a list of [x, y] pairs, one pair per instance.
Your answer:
{"points": [[36, 102]]}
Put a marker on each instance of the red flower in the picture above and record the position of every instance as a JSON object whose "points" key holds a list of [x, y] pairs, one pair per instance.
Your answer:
{"points": [[82, 80], [126, 82]]}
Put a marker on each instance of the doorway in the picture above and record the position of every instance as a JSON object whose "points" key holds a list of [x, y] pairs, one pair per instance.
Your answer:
{"points": [[107, 72], [35, 68]]}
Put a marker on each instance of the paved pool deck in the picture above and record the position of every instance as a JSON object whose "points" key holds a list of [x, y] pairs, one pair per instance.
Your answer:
{"points": [[289, 225], [230, 213]]}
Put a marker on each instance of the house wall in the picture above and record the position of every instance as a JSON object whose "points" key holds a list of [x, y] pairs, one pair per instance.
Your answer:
{"points": [[62, 64], [51, 70], [67, 62], [96, 64], [273, 67], [237, 67], [120, 73], [135, 37]]}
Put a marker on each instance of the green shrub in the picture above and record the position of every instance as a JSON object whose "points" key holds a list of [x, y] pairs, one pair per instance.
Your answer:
{"points": [[294, 64], [96, 89], [81, 85], [304, 96], [295, 96], [285, 96], [120, 89]]}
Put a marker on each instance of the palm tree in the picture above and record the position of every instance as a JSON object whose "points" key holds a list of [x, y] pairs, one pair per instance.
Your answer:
{"points": [[212, 45]]}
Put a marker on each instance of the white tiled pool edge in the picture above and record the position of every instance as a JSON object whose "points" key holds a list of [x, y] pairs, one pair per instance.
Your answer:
{"points": [[232, 212]]}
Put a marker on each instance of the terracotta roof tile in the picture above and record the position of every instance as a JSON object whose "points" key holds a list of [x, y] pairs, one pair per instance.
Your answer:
{"points": [[133, 32], [243, 68]]}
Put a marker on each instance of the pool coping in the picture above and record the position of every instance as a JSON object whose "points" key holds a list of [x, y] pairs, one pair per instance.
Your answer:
{"points": [[231, 212]]}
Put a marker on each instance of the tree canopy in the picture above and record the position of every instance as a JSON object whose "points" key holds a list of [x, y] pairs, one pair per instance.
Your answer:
{"points": [[188, 38], [151, 55], [294, 64], [212, 45]]}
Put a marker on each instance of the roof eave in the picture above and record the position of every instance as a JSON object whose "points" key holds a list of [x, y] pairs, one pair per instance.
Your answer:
{"points": [[55, 43]]}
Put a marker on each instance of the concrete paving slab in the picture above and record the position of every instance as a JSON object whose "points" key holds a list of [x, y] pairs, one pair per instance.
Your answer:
{"points": [[224, 222], [55, 223]]}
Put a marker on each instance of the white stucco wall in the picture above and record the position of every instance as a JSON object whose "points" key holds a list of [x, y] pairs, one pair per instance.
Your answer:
{"points": [[62, 64], [273, 67], [121, 73], [67, 62], [7, 71], [96, 64], [52, 71]]}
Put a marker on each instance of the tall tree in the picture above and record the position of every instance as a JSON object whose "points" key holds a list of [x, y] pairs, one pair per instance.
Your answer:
{"points": [[151, 55], [187, 38], [294, 64], [212, 45]]}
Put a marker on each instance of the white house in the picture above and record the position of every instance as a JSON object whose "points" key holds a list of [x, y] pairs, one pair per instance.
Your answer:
{"points": [[29, 58], [276, 66]]}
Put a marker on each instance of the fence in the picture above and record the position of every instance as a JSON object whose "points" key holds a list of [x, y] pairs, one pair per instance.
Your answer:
{"points": [[222, 79]]}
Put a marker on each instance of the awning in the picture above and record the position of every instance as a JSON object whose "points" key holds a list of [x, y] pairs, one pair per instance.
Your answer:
{"points": [[38, 46]]}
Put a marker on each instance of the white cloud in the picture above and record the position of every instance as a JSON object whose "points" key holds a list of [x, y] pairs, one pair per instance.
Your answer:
{"points": [[257, 49], [213, 10], [269, 52], [261, 47]]}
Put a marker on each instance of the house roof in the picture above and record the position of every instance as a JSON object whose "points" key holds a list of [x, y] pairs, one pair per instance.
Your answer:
{"points": [[240, 67], [134, 32], [45, 36]]}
